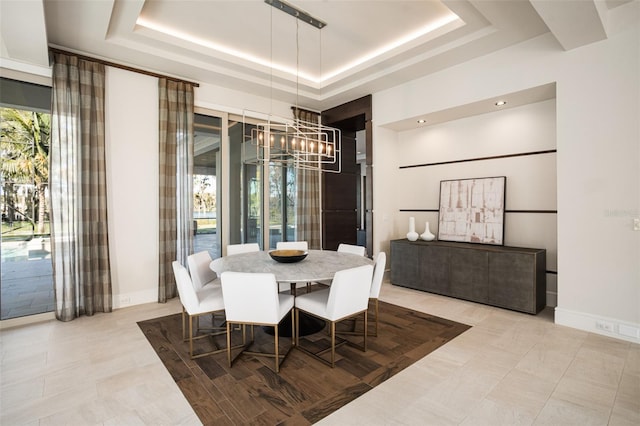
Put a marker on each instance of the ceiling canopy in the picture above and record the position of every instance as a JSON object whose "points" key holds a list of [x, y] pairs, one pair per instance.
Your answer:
{"points": [[366, 46]]}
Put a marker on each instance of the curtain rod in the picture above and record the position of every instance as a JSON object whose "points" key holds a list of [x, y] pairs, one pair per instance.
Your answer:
{"points": [[123, 67]]}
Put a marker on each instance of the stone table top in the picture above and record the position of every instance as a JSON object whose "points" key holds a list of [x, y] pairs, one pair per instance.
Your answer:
{"points": [[319, 265]]}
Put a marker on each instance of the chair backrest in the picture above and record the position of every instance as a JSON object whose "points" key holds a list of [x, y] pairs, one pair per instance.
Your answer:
{"points": [[378, 275], [292, 245], [350, 248], [349, 292], [250, 297], [199, 269], [186, 291], [242, 248]]}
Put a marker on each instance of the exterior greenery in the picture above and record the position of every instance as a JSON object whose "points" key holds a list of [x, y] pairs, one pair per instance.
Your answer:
{"points": [[24, 150]]}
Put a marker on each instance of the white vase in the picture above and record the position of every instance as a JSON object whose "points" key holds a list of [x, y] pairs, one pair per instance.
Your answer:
{"points": [[427, 235], [412, 235]]}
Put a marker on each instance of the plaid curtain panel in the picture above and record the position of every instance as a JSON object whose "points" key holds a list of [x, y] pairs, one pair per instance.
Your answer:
{"points": [[79, 232], [176, 180], [308, 209]]}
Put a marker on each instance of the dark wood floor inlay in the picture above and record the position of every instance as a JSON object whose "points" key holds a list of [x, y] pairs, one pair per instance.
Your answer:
{"points": [[306, 390]]}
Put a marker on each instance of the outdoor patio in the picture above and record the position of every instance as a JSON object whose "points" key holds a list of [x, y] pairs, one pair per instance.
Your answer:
{"points": [[27, 287], [27, 283]]}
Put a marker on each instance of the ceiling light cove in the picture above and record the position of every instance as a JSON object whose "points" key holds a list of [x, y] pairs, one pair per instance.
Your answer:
{"points": [[222, 49], [367, 57], [394, 44]]}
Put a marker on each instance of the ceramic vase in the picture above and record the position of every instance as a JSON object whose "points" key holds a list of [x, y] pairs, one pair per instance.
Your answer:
{"points": [[412, 235], [427, 235]]}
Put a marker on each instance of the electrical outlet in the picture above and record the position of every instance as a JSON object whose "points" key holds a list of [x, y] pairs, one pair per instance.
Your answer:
{"points": [[604, 326], [125, 300]]}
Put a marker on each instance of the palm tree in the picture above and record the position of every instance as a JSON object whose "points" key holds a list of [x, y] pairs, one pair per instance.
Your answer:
{"points": [[24, 147]]}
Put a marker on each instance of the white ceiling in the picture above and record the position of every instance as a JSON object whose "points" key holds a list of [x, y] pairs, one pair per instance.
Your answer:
{"points": [[366, 46]]}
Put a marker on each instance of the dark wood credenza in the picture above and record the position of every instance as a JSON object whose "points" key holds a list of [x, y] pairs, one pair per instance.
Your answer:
{"points": [[507, 277]]}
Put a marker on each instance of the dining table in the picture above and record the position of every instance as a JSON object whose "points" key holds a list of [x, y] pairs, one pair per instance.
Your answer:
{"points": [[319, 265]]}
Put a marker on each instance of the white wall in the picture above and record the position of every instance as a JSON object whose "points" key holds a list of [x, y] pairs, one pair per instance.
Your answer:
{"points": [[598, 160], [132, 174], [132, 184], [531, 180]]}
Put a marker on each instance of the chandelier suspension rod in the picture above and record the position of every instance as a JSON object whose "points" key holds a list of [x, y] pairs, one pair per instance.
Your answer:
{"points": [[296, 13]]}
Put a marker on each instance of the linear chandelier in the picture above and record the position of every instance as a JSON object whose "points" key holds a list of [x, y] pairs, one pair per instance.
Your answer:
{"points": [[300, 144], [297, 143]]}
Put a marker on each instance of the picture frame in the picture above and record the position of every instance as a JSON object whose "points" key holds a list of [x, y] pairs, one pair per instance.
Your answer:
{"points": [[472, 210]]}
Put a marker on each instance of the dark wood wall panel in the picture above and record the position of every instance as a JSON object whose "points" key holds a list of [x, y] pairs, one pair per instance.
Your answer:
{"points": [[339, 201], [338, 227], [340, 193], [340, 215]]}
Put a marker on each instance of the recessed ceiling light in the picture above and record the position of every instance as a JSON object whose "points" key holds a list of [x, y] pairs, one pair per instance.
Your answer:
{"points": [[500, 103], [422, 121]]}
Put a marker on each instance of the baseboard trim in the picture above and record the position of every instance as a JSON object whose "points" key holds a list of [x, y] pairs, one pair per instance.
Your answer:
{"points": [[124, 300], [604, 326]]}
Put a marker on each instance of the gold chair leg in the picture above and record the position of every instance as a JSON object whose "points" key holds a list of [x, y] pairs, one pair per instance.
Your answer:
{"points": [[296, 314], [366, 331], [229, 342], [184, 326], [377, 316], [293, 328], [333, 344], [191, 336], [275, 339]]}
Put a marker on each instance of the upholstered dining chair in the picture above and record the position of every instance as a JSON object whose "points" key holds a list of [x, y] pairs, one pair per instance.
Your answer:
{"points": [[201, 274], [242, 248], [293, 245], [376, 284], [347, 248], [374, 293], [253, 299], [206, 301], [350, 248], [347, 297]]}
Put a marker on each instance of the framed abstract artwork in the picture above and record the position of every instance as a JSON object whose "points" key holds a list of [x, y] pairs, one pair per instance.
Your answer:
{"points": [[472, 210]]}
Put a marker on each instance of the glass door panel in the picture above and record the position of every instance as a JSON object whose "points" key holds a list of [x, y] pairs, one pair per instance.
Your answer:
{"points": [[206, 184], [27, 274]]}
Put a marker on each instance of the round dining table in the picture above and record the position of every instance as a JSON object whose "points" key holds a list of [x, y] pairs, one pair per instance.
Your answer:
{"points": [[319, 265]]}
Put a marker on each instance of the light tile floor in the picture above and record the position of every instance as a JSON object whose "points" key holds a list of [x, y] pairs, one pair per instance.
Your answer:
{"points": [[509, 369]]}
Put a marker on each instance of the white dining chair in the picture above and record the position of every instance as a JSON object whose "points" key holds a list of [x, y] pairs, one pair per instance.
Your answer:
{"points": [[350, 248], [347, 248], [347, 297], [376, 284], [374, 293], [293, 245], [253, 299], [242, 248], [201, 274], [206, 301]]}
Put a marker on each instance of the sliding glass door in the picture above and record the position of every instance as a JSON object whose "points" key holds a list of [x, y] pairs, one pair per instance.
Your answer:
{"points": [[27, 280], [255, 202], [206, 184]]}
